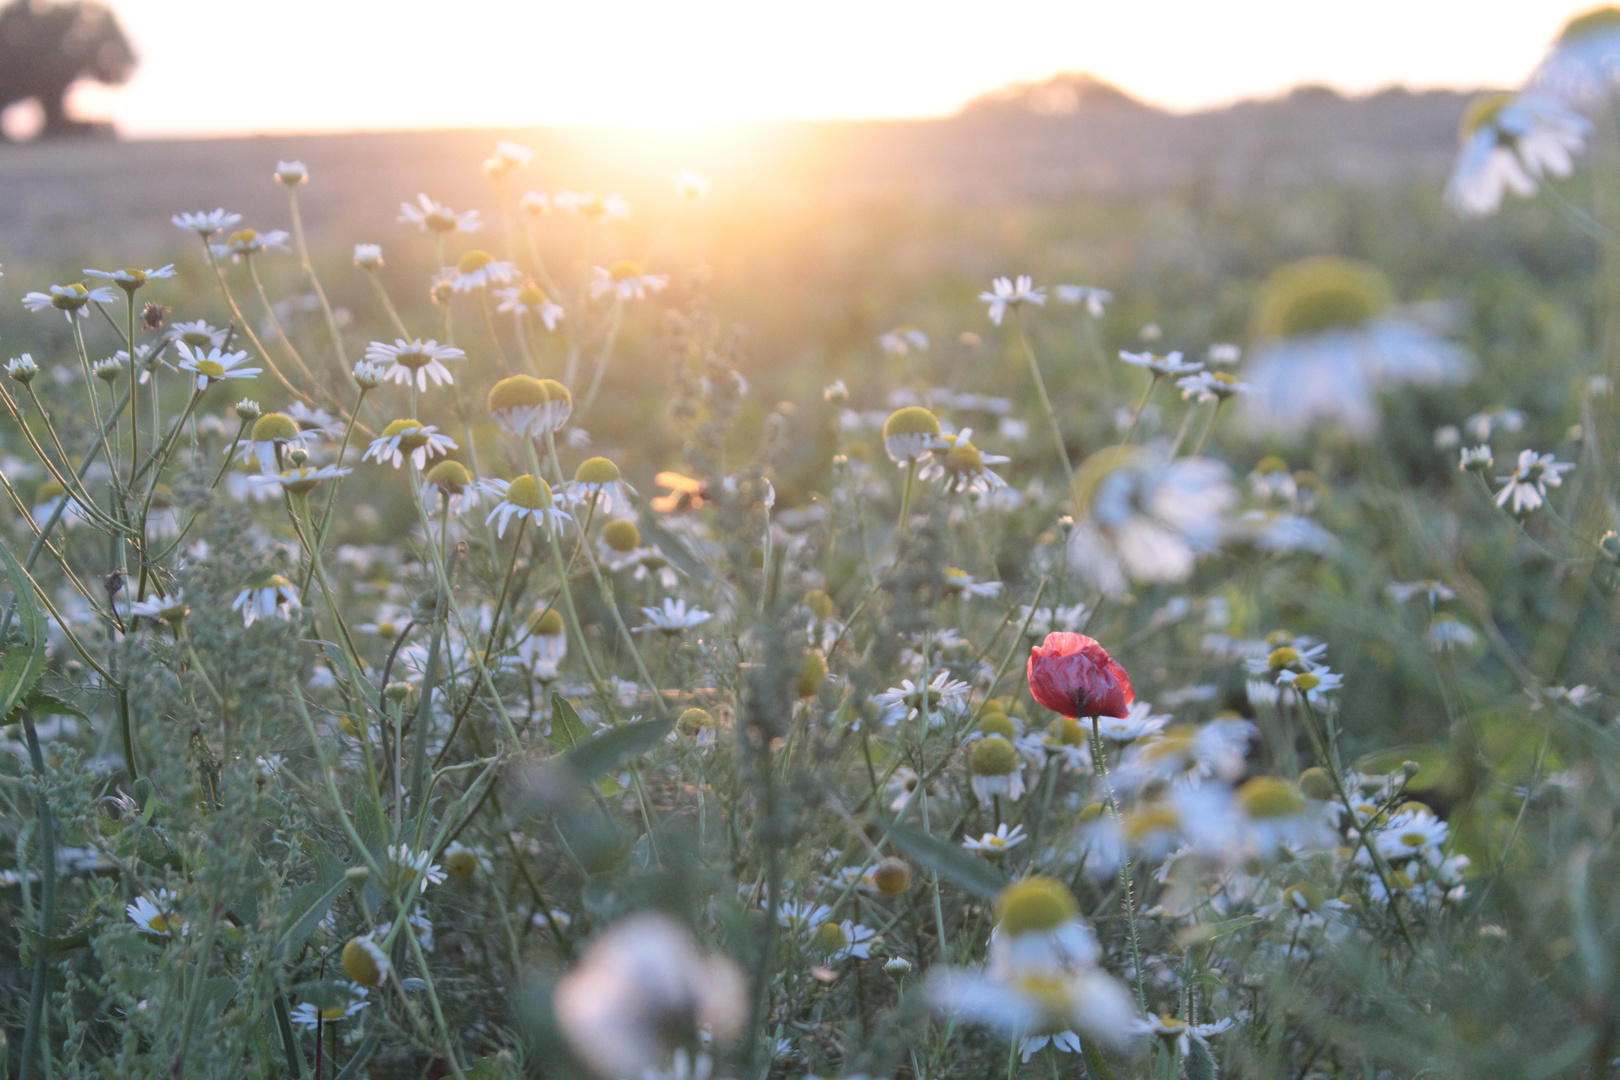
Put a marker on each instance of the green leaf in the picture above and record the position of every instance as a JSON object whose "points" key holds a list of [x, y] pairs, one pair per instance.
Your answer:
{"points": [[55, 946], [567, 730], [613, 748], [20, 668], [950, 862], [50, 705], [372, 826], [1201, 1063], [309, 905], [1096, 1067]]}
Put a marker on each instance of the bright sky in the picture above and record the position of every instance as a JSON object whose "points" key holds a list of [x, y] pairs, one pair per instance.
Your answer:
{"points": [[237, 66]]}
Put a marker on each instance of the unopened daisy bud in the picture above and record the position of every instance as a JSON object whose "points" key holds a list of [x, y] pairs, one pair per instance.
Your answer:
{"points": [[898, 967], [812, 673], [368, 375], [461, 862], [368, 256], [450, 477], [365, 962], [357, 876], [693, 721], [835, 393], [291, 173], [107, 370], [1314, 784], [1270, 797], [22, 368], [397, 691], [1034, 904], [1475, 458], [621, 535], [892, 876], [297, 456], [1282, 658], [247, 410], [909, 434]]}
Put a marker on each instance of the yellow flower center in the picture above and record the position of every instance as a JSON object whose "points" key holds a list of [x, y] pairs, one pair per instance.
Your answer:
{"points": [[993, 756], [411, 436], [912, 420], [242, 238], [1270, 797], [275, 427], [531, 295], [451, 477], [211, 368], [623, 269], [621, 535], [474, 261], [597, 470], [1034, 904], [530, 492]]}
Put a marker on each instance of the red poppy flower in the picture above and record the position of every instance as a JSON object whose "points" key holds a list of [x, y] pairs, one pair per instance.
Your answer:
{"points": [[1074, 676]]}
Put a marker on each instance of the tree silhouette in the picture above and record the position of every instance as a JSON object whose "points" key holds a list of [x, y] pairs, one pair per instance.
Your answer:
{"points": [[47, 47]]}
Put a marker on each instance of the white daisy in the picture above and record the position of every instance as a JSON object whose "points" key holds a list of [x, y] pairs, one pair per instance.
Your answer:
{"points": [[401, 437], [526, 497], [904, 702], [1583, 66], [528, 407], [415, 360], [963, 466], [1148, 519], [1509, 141], [198, 334], [162, 607], [479, 269], [903, 341], [673, 617], [1165, 367], [431, 216], [154, 913], [266, 596], [1004, 294], [597, 482], [214, 365], [1093, 299], [625, 280], [1211, 386], [67, 299], [1138, 723], [415, 865], [350, 1001], [529, 299], [302, 479], [245, 242], [130, 280], [206, 223], [1526, 488], [994, 843]]}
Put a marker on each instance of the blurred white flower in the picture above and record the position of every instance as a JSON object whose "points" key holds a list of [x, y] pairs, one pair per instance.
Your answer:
{"points": [[432, 216], [903, 340], [1583, 66], [1146, 519], [1004, 294], [673, 617], [625, 280], [1093, 299], [1508, 143], [642, 989], [1526, 488]]}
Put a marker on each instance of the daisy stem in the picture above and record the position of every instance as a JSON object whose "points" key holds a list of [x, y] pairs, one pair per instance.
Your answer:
{"points": [[489, 326], [388, 305], [134, 380], [539, 263], [1141, 407], [247, 327], [1209, 428], [275, 321], [1181, 432], [314, 281], [95, 406], [1324, 751], [602, 360], [343, 447], [905, 496], [443, 575], [432, 994], [32, 1040], [1127, 899], [523, 342], [1046, 402], [605, 587]]}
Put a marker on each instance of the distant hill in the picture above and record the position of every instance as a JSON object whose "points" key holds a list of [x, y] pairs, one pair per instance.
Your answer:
{"points": [[1066, 136]]}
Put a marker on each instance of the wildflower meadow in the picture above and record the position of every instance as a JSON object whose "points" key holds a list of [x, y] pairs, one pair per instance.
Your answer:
{"points": [[470, 658]]}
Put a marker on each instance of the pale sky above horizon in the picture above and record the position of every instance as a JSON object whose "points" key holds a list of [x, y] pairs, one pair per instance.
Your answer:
{"points": [[242, 67]]}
